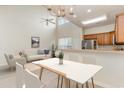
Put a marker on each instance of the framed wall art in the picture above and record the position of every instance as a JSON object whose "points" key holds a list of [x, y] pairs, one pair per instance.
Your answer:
{"points": [[35, 42]]}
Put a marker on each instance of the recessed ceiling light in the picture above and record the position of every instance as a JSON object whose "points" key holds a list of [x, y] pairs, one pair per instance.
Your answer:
{"points": [[89, 10], [95, 20], [74, 16]]}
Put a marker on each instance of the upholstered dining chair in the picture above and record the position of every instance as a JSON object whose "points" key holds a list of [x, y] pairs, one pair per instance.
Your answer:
{"points": [[11, 61], [19, 75], [32, 80], [21, 60]]}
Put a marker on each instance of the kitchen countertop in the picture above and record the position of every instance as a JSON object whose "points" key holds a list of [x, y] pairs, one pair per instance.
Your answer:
{"points": [[92, 50]]}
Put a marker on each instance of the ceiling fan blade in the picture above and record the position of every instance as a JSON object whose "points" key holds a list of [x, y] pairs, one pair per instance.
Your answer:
{"points": [[50, 19], [52, 22], [42, 21]]}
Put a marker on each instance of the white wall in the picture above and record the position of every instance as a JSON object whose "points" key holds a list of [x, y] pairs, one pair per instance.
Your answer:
{"points": [[18, 24], [101, 29], [71, 30]]}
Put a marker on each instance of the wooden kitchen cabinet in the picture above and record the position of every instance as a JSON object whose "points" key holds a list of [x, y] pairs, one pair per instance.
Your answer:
{"points": [[90, 37], [101, 38], [112, 38], [120, 29], [106, 38]]}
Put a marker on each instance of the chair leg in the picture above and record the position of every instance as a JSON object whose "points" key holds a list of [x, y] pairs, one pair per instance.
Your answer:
{"points": [[62, 82], [87, 86], [92, 82], [58, 81]]}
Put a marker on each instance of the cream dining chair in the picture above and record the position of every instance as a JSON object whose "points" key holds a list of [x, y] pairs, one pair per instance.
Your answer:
{"points": [[32, 80], [11, 61], [19, 75]]}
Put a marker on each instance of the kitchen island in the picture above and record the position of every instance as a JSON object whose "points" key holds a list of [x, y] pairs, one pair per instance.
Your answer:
{"points": [[112, 74]]}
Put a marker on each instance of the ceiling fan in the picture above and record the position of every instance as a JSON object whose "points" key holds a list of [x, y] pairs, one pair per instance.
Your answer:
{"points": [[47, 20]]}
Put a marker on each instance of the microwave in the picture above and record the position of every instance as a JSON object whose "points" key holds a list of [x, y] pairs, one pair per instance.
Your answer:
{"points": [[89, 44]]}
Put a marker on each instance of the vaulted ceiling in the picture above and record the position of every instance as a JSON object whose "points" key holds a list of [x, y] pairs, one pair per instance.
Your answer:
{"points": [[82, 14]]}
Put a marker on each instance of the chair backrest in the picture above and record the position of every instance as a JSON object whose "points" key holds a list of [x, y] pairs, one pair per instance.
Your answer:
{"points": [[7, 59], [10, 60], [25, 55], [31, 80], [21, 60], [19, 75]]}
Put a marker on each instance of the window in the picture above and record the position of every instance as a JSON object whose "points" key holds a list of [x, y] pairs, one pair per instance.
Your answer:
{"points": [[65, 43], [62, 21]]}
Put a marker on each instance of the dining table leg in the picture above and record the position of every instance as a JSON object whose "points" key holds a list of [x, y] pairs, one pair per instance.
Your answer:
{"points": [[69, 84], [58, 81], [66, 80], [92, 82], [41, 72], [87, 85], [62, 82], [82, 85], [76, 85]]}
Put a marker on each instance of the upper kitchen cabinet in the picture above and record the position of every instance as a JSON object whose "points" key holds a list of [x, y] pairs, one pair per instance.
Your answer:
{"points": [[102, 38], [90, 37], [112, 38], [106, 38], [120, 29], [109, 38]]}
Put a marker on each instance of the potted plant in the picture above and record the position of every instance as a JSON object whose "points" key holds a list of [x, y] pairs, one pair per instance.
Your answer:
{"points": [[61, 56], [53, 51]]}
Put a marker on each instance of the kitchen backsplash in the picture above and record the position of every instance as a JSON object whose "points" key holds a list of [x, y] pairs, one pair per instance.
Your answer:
{"points": [[111, 47]]}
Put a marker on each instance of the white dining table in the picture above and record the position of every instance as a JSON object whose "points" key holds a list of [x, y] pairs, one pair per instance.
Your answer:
{"points": [[71, 70]]}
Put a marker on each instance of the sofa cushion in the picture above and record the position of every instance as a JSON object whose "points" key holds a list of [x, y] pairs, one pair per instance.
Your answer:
{"points": [[35, 57], [40, 52], [30, 52], [46, 51]]}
